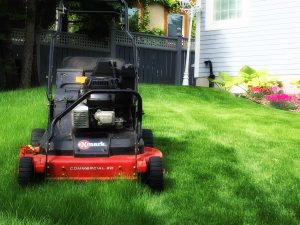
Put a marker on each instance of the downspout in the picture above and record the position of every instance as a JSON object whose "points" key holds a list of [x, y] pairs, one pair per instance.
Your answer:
{"points": [[211, 73]]}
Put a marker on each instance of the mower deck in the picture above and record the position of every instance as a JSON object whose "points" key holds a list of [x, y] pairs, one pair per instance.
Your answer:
{"points": [[90, 168]]}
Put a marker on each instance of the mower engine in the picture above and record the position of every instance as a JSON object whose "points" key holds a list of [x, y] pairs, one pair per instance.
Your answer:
{"points": [[98, 110], [82, 117]]}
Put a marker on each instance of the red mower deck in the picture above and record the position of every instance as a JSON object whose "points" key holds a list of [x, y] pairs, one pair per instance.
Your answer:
{"points": [[91, 168]]}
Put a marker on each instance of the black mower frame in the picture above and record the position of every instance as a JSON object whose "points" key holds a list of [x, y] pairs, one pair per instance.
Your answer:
{"points": [[53, 121]]}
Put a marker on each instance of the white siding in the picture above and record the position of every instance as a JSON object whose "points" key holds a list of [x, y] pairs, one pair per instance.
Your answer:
{"points": [[270, 40]]}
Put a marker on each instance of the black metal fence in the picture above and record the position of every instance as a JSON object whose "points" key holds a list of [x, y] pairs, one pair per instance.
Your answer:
{"points": [[161, 59]]}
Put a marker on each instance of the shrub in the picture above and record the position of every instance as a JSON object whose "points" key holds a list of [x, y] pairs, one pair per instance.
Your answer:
{"points": [[282, 101], [156, 31], [297, 83], [226, 81], [251, 78], [258, 78], [259, 92]]}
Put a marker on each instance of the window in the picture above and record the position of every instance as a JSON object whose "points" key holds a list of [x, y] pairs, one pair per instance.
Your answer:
{"points": [[222, 14], [132, 12], [134, 19], [175, 21]]}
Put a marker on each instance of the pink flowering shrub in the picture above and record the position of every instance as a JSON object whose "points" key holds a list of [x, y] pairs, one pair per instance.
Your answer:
{"points": [[260, 91], [282, 101], [279, 97], [265, 90]]}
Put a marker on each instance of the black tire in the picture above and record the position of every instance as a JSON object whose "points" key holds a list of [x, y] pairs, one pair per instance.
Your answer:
{"points": [[36, 136], [155, 176], [26, 171], [147, 136]]}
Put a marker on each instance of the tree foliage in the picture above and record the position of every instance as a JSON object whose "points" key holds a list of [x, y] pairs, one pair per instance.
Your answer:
{"points": [[11, 15], [16, 14]]}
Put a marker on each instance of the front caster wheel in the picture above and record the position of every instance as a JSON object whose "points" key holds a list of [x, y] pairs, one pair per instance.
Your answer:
{"points": [[26, 171], [154, 177]]}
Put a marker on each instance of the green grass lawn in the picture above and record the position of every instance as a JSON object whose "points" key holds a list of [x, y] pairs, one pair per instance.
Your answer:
{"points": [[227, 160]]}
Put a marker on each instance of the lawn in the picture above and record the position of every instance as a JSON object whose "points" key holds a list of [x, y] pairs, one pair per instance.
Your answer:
{"points": [[227, 160]]}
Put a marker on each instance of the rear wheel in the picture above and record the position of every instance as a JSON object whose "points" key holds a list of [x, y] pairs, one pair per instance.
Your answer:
{"points": [[26, 171], [154, 178], [147, 136], [36, 136]]}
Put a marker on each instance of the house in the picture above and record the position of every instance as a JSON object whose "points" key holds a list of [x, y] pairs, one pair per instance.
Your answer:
{"points": [[264, 34], [163, 18]]}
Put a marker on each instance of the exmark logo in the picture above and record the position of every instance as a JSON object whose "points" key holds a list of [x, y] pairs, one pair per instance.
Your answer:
{"points": [[85, 144]]}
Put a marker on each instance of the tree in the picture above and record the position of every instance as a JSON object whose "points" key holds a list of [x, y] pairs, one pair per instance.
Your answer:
{"points": [[40, 14], [10, 16], [28, 52], [95, 25]]}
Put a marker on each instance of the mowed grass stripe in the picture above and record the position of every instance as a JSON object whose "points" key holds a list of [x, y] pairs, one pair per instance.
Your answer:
{"points": [[228, 161]]}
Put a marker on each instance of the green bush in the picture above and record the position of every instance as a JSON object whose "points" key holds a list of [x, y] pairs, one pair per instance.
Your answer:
{"points": [[226, 81], [248, 78], [258, 78]]}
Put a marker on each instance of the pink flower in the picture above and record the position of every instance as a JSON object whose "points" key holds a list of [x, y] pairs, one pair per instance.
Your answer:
{"points": [[274, 89], [279, 98]]}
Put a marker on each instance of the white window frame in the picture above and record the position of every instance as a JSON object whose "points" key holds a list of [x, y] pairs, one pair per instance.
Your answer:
{"points": [[211, 24]]}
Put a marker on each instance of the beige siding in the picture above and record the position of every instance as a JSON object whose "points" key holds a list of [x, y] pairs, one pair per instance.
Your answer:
{"points": [[156, 17]]}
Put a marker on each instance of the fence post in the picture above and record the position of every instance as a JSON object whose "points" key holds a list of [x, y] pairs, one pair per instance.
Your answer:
{"points": [[113, 48], [178, 58]]}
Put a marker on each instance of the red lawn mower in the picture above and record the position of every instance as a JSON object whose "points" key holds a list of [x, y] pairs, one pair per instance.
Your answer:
{"points": [[95, 123]]}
